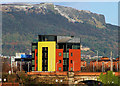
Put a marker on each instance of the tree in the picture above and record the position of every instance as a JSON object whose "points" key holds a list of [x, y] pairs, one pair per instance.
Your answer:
{"points": [[109, 78]]}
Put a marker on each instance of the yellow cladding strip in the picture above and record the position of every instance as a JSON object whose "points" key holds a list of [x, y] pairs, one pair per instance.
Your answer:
{"points": [[51, 54]]}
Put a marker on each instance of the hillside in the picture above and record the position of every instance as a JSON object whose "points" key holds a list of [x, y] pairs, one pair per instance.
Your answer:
{"points": [[23, 22]]}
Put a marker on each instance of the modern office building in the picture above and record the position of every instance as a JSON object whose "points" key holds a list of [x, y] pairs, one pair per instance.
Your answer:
{"points": [[56, 53]]}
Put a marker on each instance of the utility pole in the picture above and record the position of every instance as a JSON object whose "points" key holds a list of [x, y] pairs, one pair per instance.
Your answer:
{"points": [[102, 66], [111, 69]]}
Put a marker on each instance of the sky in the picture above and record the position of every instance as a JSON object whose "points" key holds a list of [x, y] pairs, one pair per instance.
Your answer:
{"points": [[108, 9]]}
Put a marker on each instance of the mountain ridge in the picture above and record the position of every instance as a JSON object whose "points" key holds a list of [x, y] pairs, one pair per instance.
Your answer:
{"points": [[21, 27], [72, 14]]}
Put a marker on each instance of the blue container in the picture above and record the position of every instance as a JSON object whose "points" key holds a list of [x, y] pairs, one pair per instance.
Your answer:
{"points": [[26, 56], [23, 56]]}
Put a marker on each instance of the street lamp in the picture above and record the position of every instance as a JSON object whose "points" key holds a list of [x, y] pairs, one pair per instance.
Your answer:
{"points": [[61, 80], [5, 80], [56, 80]]}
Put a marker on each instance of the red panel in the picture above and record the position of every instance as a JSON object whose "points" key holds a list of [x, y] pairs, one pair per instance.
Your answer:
{"points": [[59, 58], [76, 59], [35, 59]]}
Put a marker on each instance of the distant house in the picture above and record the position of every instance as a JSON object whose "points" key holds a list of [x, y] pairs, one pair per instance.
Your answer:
{"points": [[105, 64]]}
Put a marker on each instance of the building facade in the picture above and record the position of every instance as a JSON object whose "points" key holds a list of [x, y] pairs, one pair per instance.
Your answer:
{"points": [[105, 64], [56, 53]]}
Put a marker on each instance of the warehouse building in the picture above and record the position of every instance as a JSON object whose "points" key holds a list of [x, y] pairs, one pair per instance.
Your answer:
{"points": [[56, 53]]}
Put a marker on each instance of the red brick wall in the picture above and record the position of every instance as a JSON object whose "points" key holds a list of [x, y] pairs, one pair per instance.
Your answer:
{"points": [[76, 59], [59, 58]]}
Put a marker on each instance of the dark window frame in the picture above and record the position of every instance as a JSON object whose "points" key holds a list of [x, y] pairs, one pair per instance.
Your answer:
{"points": [[60, 61], [59, 68], [71, 54]]}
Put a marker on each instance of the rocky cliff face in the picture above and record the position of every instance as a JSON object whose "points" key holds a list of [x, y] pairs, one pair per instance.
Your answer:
{"points": [[82, 16], [73, 15]]}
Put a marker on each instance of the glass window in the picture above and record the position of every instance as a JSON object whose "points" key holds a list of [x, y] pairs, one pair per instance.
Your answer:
{"points": [[33, 55], [71, 61], [33, 68], [67, 55], [33, 48], [46, 55], [60, 46], [44, 48], [64, 55], [64, 62], [59, 68], [59, 61], [76, 46], [69, 46], [33, 62], [71, 54], [71, 68], [60, 54]]}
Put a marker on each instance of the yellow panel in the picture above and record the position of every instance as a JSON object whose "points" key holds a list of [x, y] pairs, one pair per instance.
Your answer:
{"points": [[51, 54]]}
